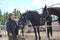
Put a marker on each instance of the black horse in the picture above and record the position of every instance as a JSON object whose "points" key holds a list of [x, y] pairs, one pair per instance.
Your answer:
{"points": [[21, 23], [48, 19], [55, 11], [34, 18]]}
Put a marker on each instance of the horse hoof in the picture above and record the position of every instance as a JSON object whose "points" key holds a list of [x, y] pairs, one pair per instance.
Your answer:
{"points": [[35, 39], [39, 38], [0, 35]]}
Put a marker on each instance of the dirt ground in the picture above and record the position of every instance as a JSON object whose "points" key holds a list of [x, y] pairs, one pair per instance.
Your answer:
{"points": [[30, 36]]}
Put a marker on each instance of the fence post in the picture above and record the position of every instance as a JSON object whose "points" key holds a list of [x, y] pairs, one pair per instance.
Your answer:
{"points": [[46, 31]]}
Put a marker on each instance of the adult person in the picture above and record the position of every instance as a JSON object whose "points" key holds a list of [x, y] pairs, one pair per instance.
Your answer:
{"points": [[49, 24], [12, 27]]}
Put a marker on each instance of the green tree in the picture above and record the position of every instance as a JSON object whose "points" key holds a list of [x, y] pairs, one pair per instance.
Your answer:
{"points": [[4, 17], [0, 15], [16, 12]]}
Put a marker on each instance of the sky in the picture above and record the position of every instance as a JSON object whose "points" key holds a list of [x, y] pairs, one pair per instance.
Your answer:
{"points": [[23, 5]]}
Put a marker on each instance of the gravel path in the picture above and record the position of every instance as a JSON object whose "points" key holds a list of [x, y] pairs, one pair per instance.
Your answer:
{"points": [[30, 36]]}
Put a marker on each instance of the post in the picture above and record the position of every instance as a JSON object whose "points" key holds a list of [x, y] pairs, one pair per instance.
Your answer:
{"points": [[46, 31]]}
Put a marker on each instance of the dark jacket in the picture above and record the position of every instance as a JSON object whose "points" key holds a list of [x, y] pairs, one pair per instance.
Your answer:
{"points": [[12, 27], [49, 20]]}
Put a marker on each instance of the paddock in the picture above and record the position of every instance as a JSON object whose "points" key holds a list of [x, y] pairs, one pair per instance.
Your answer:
{"points": [[30, 35]]}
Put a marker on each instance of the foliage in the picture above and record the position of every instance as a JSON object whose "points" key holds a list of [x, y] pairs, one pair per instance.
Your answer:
{"points": [[16, 12], [4, 15], [0, 16]]}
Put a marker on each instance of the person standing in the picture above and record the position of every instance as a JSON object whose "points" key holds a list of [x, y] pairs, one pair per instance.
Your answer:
{"points": [[49, 24], [12, 27]]}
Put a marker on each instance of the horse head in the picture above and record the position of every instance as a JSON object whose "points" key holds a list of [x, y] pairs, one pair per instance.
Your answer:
{"points": [[45, 13]]}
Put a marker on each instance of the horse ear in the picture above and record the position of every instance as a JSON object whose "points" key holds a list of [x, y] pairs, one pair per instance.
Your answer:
{"points": [[45, 7], [20, 13]]}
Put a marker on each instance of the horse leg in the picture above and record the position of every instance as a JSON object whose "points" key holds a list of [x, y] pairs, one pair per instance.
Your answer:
{"points": [[51, 31], [23, 30], [38, 33], [59, 20], [35, 33], [48, 32]]}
